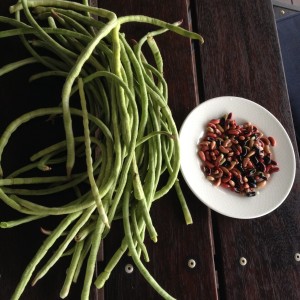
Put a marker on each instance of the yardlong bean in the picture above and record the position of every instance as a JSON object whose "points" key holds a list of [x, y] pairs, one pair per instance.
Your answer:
{"points": [[128, 139]]}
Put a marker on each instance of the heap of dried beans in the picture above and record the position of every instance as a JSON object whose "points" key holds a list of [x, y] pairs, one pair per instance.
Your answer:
{"points": [[237, 157]]}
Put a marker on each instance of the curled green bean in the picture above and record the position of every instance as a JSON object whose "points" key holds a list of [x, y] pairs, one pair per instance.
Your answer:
{"points": [[128, 141]]}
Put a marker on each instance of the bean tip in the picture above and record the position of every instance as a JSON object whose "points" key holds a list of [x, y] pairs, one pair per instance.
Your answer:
{"points": [[34, 281], [134, 42], [54, 13], [69, 172], [154, 238], [46, 168], [12, 9], [63, 294], [3, 225], [45, 231]]}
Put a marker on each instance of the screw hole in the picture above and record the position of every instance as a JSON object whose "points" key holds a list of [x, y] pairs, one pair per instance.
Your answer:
{"points": [[129, 268], [243, 261], [192, 263]]}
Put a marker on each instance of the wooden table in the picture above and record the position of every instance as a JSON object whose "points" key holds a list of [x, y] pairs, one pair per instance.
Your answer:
{"points": [[240, 57]]}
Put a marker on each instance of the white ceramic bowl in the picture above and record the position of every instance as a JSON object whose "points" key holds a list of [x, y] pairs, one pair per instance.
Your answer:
{"points": [[220, 199]]}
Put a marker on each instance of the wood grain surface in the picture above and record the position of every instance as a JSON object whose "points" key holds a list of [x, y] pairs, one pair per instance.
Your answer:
{"points": [[241, 57], [177, 242]]}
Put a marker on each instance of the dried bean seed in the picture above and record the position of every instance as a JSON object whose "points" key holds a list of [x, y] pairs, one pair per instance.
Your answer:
{"points": [[231, 182], [225, 170], [273, 162], [252, 152], [250, 194], [212, 135], [211, 125], [206, 143], [215, 121], [209, 164], [251, 143], [204, 148], [226, 143], [222, 161], [232, 164], [219, 175], [265, 140], [272, 141], [260, 135], [216, 152], [245, 162], [212, 155], [226, 179], [219, 158], [213, 145], [217, 182], [223, 149], [261, 167], [273, 169], [225, 185], [202, 155], [236, 156], [233, 131], [267, 149], [261, 184], [218, 132], [246, 186], [221, 129]]}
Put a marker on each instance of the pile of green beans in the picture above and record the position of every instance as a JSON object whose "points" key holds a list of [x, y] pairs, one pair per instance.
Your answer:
{"points": [[129, 139]]}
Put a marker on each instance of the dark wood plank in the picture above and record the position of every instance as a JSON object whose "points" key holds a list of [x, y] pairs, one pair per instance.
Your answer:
{"points": [[241, 57], [177, 243]]}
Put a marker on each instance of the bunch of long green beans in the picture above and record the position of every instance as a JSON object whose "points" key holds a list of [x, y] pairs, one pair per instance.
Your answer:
{"points": [[129, 138]]}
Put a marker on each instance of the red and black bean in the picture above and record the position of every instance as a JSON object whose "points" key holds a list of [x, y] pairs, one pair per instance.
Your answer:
{"points": [[237, 157]]}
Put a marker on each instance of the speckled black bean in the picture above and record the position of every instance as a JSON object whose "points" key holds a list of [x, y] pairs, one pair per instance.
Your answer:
{"points": [[244, 151], [262, 176], [252, 172], [273, 162], [254, 159], [267, 160], [261, 167], [252, 184], [226, 164], [222, 121], [250, 194]]}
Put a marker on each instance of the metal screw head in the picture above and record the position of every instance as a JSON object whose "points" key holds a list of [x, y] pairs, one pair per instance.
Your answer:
{"points": [[129, 268], [191, 263], [243, 261], [297, 257]]}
